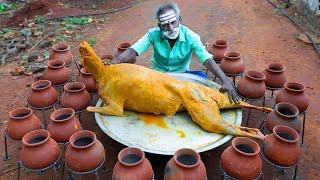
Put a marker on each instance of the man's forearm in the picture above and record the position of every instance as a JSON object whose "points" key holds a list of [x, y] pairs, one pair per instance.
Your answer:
{"points": [[215, 69], [128, 56]]}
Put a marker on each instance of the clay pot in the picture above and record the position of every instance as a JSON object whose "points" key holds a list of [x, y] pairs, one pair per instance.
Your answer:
{"points": [[63, 124], [185, 164], [281, 147], [85, 152], [39, 150], [42, 94], [132, 164], [75, 96], [293, 93], [56, 72], [122, 47], [252, 85], [283, 114], [61, 51], [232, 64], [22, 120], [241, 160], [275, 76], [87, 79], [218, 48]]}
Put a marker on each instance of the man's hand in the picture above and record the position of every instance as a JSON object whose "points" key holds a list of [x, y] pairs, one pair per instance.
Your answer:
{"points": [[228, 87]]}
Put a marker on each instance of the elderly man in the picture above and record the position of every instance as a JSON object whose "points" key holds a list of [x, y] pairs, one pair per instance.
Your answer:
{"points": [[173, 45]]}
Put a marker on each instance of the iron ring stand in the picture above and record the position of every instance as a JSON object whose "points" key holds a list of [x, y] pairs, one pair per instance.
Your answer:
{"points": [[6, 137], [226, 176], [233, 76], [279, 168], [251, 100], [59, 87], [95, 171], [43, 109], [55, 166]]}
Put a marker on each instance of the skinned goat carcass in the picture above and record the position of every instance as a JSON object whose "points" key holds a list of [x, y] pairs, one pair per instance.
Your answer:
{"points": [[140, 89]]}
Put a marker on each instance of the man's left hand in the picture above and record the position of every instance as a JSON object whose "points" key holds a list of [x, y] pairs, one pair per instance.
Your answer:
{"points": [[232, 94]]}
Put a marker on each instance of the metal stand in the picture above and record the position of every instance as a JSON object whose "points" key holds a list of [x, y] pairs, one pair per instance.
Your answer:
{"points": [[272, 90], [59, 87], [226, 176], [304, 114], [78, 113], [44, 109], [6, 156], [77, 65], [281, 169], [233, 76], [95, 171], [55, 166]]}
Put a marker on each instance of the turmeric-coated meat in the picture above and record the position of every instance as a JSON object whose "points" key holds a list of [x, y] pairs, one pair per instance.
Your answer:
{"points": [[140, 89]]}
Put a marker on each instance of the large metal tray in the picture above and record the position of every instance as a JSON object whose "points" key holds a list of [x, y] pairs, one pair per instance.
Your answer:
{"points": [[164, 135]]}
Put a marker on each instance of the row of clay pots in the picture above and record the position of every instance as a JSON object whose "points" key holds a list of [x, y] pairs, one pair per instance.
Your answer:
{"points": [[62, 52], [74, 96], [242, 161], [120, 49]]}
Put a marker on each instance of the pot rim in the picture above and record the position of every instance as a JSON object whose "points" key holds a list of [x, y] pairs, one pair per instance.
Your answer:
{"points": [[232, 55], [187, 151], [18, 110], [79, 85], [81, 134], [44, 82], [131, 150], [251, 75], [246, 141], [217, 42], [33, 134], [268, 67], [291, 107], [51, 63], [60, 47], [288, 86], [84, 71], [61, 111], [124, 45], [286, 129]]}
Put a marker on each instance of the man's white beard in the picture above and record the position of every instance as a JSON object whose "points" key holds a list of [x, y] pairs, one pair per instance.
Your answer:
{"points": [[172, 34]]}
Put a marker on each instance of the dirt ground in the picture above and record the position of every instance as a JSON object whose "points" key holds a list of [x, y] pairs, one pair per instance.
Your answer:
{"points": [[250, 26]]}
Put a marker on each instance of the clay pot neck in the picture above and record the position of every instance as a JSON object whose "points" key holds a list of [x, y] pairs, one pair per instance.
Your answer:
{"points": [[220, 43], [232, 56], [40, 85], [83, 139], [62, 115], [245, 146], [56, 64], [294, 87], [186, 158], [20, 113], [61, 47], [131, 156], [275, 67], [123, 46], [286, 110], [74, 87], [36, 138], [286, 134], [255, 76]]}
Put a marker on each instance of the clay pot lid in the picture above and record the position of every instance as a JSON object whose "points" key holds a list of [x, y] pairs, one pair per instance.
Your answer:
{"points": [[74, 87], [255, 75], [85, 71], [123, 46], [82, 134], [248, 142], [294, 86], [294, 111], [56, 63], [131, 150], [63, 111], [61, 47], [20, 113], [220, 43], [288, 130], [40, 85], [232, 55], [186, 151], [275, 67], [35, 134]]}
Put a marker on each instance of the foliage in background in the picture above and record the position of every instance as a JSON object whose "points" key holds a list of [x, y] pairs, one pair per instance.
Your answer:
{"points": [[70, 21], [7, 7], [92, 41]]}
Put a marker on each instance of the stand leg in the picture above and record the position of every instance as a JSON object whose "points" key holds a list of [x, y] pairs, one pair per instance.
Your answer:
{"points": [[77, 65], [261, 125], [55, 167], [263, 101], [272, 93], [96, 174], [44, 119], [18, 170], [234, 80], [215, 77], [69, 176], [6, 156], [295, 173], [303, 126]]}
